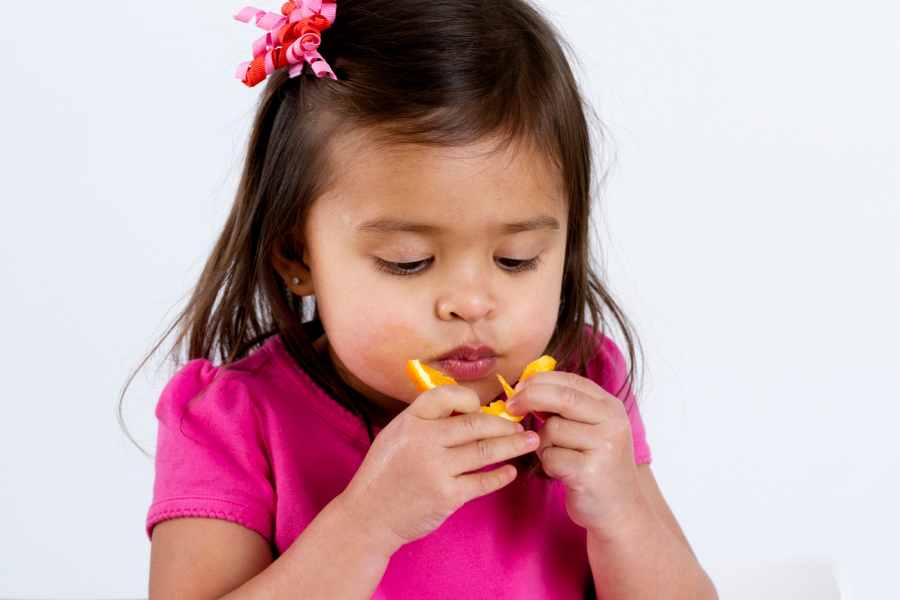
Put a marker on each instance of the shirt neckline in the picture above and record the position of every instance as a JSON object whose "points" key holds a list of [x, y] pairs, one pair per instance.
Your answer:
{"points": [[314, 396]]}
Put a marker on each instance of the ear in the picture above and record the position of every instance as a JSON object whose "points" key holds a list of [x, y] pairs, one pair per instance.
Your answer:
{"points": [[293, 269]]}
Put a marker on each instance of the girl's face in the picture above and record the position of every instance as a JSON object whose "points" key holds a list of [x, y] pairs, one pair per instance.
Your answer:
{"points": [[453, 256]]}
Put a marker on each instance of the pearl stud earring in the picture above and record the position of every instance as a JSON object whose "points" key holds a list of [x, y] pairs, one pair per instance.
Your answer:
{"points": [[296, 281]]}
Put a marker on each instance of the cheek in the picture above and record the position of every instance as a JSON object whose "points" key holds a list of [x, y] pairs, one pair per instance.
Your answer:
{"points": [[372, 336], [378, 359], [367, 314], [535, 322], [376, 349], [536, 312]]}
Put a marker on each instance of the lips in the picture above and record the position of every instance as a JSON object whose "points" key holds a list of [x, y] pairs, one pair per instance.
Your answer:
{"points": [[468, 353], [468, 363]]}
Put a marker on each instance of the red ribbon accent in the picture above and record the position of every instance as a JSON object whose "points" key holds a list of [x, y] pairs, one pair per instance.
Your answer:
{"points": [[299, 23]]}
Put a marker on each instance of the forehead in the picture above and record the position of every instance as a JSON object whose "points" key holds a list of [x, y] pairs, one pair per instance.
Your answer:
{"points": [[477, 186]]}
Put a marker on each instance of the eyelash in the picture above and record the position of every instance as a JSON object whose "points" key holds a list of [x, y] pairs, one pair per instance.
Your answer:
{"points": [[414, 268], [402, 269], [530, 264]]}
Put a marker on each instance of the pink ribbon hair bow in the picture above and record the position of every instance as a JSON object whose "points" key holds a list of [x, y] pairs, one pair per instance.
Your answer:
{"points": [[291, 39]]}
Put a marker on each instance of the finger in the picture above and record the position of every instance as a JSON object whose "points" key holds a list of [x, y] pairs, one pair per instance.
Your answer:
{"points": [[541, 416], [569, 402], [481, 453], [564, 433], [480, 484], [465, 428], [443, 400], [561, 463], [563, 379]]}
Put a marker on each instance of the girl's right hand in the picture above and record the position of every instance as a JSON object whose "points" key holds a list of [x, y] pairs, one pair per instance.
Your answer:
{"points": [[413, 478]]}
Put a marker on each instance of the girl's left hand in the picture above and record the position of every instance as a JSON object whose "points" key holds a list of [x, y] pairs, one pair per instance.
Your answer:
{"points": [[586, 443]]}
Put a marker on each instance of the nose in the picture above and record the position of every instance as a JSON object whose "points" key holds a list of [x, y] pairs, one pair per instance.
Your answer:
{"points": [[467, 297]]}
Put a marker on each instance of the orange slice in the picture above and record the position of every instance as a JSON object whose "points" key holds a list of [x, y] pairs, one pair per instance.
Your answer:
{"points": [[544, 363], [506, 387], [498, 407], [426, 378]]}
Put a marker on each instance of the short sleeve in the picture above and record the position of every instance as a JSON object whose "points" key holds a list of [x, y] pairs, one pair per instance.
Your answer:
{"points": [[609, 370], [211, 455]]}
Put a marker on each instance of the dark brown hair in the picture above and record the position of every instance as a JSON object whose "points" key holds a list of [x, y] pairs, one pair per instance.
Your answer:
{"points": [[430, 72]]}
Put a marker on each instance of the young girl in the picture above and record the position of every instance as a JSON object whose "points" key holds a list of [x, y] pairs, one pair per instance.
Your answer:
{"points": [[430, 201]]}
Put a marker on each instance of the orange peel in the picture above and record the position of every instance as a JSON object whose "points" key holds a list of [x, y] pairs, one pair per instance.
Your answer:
{"points": [[544, 363], [506, 387], [426, 378], [498, 407]]}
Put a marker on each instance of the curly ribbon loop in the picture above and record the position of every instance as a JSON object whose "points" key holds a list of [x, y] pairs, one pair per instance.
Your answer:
{"points": [[292, 39]]}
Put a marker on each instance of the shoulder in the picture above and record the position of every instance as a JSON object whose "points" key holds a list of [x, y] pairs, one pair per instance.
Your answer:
{"points": [[213, 457], [266, 389], [206, 391]]}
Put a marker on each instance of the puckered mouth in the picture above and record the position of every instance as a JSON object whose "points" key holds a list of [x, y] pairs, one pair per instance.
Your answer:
{"points": [[468, 352]]}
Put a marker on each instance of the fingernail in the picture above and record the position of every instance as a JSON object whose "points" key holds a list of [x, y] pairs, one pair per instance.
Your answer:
{"points": [[532, 438], [510, 403], [519, 427]]}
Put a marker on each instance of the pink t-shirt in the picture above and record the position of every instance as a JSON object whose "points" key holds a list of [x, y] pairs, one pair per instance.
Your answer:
{"points": [[265, 447]]}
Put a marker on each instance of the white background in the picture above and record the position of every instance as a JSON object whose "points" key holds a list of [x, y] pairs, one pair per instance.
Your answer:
{"points": [[752, 232]]}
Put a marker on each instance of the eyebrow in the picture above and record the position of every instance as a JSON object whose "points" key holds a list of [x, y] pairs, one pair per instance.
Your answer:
{"points": [[537, 223], [393, 225], [381, 226]]}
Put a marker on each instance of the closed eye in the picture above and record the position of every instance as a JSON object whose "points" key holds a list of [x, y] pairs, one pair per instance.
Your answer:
{"points": [[403, 269], [514, 265]]}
